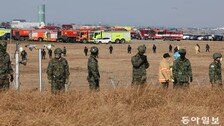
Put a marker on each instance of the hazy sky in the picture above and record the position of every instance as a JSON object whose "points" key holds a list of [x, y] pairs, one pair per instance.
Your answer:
{"points": [[169, 13]]}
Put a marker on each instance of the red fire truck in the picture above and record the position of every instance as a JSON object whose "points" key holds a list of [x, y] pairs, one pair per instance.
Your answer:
{"points": [[67, 35], [20, 34], [44, 35], [165, 34]]}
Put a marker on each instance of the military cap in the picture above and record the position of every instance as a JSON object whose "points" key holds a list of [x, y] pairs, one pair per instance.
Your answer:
{"points": [[142, 48], [182, 51], [94, 50], [217, 55], [58, 51]]}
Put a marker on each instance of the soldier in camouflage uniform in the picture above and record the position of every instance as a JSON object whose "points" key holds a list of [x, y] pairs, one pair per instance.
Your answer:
{"points": [[182, 72], [6, 71], [93, 70], [140, 64], [58, 72], [215, 70]]}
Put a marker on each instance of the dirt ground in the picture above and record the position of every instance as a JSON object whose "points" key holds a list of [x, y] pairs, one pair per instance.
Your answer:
{"points": [[116, 68]]}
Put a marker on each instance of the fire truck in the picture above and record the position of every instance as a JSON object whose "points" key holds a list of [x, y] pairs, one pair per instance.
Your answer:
{"points": [[140, 34], [69, 35], [5, 34], [43, 35], [20, 34], [165, 34], [115, 36], [84, 35]]}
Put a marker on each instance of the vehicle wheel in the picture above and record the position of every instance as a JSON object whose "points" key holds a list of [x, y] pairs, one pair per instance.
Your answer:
{"points": [[117, 41], [100, 42], [22, 39], [69, 40], [40, 39], [109, 42], [123, 41], [84, 41], [60, 40]]}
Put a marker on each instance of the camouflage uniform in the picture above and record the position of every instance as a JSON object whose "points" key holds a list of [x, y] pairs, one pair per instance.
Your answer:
{"points": [[182, 72], [24, 57], [6, 71], [58, 72], [140, 64], [93, 70], [215, 71]]}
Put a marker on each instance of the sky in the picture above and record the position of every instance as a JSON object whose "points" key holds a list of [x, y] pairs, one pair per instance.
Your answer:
{"points": [[166, 13]]}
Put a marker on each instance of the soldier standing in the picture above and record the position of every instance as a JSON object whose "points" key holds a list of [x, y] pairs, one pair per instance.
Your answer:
{"points": [[215, 70], [140, 64], [64, 51], [129, 49], [111, 49], [93, 70], [58, 72], [164, 71], [207, 48], [182, 72], [170, 48], [24, 57], [50, 53], [43, 53], [86, 51], [154, 48], [6, 71]]}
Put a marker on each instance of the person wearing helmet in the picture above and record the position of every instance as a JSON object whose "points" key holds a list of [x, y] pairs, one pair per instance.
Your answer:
{"points": [[182, 72], [140, 64], [93, 70], [6, 71], [215, 70], [58, 72], [24, 57]]}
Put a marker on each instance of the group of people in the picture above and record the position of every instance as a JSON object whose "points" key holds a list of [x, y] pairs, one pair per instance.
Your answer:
{"points": [[111, 48], [179, 72]]}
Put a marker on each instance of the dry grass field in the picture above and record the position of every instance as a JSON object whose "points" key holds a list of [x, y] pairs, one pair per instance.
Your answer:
{"points": [[118, 105]]}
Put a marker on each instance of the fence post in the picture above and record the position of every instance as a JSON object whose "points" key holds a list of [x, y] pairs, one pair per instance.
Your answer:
{"points": [[41, 88], [17, 82]]}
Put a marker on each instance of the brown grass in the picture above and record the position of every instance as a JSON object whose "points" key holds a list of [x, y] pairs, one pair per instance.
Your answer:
{"points": [[120, 107], [123, 106]]}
